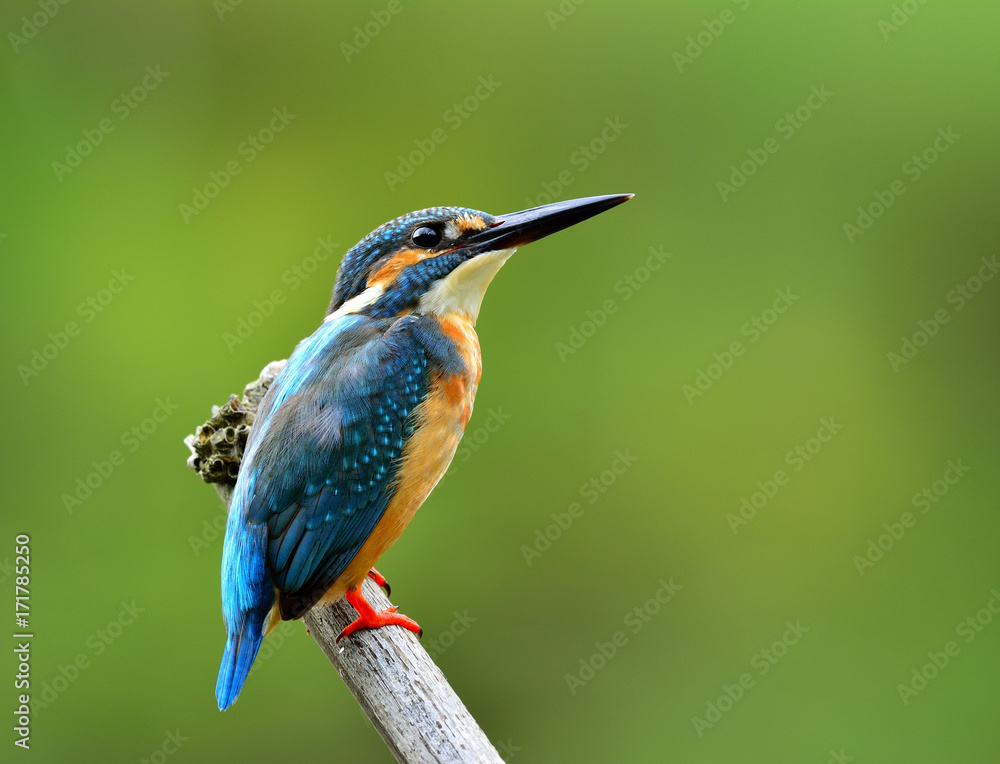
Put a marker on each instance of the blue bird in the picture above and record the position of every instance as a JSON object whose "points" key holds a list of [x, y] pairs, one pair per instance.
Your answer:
{"points": [[364, 419]]}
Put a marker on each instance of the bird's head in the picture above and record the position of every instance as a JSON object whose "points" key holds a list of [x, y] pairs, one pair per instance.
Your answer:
{"points": [[440, 260]]}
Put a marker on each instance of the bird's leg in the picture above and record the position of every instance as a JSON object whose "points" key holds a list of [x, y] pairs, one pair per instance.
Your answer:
{"points": [[368, 618], [379, 579]]}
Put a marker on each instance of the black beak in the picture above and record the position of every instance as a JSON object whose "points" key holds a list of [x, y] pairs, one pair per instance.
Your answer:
{"points": [[520, 228]]}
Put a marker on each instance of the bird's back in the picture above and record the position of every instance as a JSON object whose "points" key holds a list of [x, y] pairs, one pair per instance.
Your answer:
{"points": [[363, 420]]}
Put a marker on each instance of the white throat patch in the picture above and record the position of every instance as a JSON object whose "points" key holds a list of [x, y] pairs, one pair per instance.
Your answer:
{"points": [[463, 289], [357, 303]]}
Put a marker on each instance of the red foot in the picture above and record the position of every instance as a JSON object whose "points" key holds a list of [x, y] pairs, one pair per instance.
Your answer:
{"points": [[369, 619], [379, 579]]}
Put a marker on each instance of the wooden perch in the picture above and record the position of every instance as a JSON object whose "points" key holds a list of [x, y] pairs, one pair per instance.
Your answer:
{"points": [[403, 692]]}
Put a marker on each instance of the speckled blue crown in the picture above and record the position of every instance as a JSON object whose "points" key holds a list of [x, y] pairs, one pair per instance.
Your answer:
{"points": [[389, 237]]}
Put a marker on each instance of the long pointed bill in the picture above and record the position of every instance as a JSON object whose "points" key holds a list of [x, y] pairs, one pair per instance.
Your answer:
{"points": [[520, 228]]}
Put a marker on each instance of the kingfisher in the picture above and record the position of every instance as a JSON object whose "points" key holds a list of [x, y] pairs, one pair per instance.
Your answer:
{"points": [[364, 419]]}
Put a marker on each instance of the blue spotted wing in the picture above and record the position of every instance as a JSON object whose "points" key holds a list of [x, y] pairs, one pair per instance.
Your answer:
{"points": [[325, 449]]}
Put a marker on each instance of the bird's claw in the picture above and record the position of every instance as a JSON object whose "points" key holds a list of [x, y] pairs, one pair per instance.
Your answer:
{"points": [[379, 579], [385, 618], [369, 618]]}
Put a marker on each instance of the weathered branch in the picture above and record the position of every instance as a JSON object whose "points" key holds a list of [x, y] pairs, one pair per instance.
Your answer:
{"points": [[403, 692]]}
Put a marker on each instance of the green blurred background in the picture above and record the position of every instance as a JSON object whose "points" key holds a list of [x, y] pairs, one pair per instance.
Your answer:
{"points": [[692, 90]]}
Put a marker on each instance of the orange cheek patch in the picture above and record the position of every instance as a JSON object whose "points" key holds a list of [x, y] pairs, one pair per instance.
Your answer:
{"points": [[390, 271], [470, 224]]}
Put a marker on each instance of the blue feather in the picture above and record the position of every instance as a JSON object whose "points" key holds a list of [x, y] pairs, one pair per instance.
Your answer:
{"points": [[319, 470], [241, 649], [390, 237], [247, 598]]}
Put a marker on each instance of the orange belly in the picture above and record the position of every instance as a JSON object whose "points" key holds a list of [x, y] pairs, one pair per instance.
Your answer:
{"points": [[440, 423]]}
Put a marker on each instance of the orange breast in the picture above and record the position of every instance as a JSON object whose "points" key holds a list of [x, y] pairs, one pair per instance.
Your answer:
{"points": [[440, 423], [462, 388]]}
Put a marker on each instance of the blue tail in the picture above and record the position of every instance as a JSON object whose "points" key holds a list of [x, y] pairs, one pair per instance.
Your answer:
{"points": [[241, 649], [247, 596]]}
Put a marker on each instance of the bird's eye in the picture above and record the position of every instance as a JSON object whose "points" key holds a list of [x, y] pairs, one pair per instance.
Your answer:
{"points": [[426, 237]]}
